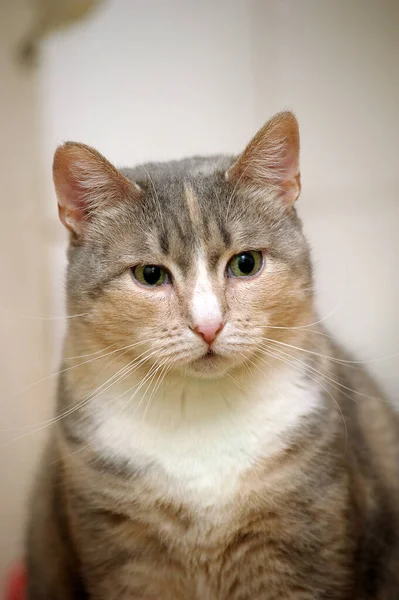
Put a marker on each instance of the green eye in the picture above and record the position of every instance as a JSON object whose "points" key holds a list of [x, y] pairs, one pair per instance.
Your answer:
{"points": [[245, 264], [150, 275]]}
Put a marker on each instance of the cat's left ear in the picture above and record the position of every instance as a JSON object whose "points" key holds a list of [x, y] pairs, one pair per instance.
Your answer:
{"points": [[85, 182], [272, 159]]}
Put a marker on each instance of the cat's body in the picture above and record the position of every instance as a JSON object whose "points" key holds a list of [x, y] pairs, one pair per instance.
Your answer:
{"points": [[213, 443]]}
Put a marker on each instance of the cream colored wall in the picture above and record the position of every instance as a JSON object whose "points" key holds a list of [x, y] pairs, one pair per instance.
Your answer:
{"points": [[23, 357]]}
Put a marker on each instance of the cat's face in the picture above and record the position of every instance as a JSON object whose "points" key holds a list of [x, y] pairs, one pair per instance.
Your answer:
{"points": [[190, 270]]}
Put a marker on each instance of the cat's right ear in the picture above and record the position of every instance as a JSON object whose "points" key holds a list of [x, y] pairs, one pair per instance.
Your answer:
{"points": [[85, 182]]}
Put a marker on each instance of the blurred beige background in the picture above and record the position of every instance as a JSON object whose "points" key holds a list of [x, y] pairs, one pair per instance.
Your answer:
{"points": [[159, 79]]}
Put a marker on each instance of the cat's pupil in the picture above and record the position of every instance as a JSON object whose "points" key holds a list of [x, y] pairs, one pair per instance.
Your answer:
{"points": [[152, 274], [246, 263]]}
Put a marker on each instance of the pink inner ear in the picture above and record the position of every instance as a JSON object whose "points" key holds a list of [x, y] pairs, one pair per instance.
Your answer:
{"points": [[290, 163], [70, 218], [290, 180], [72, 200], [291, 190]]}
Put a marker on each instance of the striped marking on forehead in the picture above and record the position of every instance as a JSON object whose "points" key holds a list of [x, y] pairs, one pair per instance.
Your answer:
{"points": [[206, 223], [192, 205]]}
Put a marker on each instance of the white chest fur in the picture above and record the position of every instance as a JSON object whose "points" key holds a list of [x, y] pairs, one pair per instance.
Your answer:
{"points": [[202, 434]]}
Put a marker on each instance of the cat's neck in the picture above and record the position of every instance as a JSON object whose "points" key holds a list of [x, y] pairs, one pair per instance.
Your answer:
{"points": [[278, 395], [194, 435]]}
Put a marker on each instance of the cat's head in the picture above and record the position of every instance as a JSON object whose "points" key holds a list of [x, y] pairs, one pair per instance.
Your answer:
{"points": [[193, 264]]}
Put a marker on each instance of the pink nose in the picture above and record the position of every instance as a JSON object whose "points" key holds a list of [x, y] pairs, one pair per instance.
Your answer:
{"points": [[208, 330]]}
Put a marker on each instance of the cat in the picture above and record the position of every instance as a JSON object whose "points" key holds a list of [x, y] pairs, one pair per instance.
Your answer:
{"points": [[211, 440]]}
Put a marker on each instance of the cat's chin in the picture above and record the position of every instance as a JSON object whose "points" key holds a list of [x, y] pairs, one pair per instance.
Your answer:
{"points": [[209, 366]]}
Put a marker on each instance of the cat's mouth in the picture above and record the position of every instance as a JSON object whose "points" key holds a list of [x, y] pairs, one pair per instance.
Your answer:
{"points": [[210, 364]]}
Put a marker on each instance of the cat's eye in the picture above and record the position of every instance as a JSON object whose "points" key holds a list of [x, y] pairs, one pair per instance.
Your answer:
{"points": [[151, 275], [245, 264]]}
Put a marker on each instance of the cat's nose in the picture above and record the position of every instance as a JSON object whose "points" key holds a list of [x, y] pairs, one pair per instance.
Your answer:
{"points": [[208, 330]]}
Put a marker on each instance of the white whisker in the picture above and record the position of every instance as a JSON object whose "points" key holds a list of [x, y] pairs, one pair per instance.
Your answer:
{"points": [[41, 318], [129, 346], [336, 384], [164, 371], [127, 371]]}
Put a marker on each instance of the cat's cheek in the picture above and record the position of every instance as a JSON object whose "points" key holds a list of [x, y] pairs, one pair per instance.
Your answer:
{"points": [[273, 298], [246, 298], [126, 310], [288, 306]]}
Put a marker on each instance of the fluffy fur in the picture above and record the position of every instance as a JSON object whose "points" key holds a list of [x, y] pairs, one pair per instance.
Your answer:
{"points": [[261, 465]]}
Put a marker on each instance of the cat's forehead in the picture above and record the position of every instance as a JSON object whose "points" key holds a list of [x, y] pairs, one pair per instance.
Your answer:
{"points": [[188, 208], [183, 208]]}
